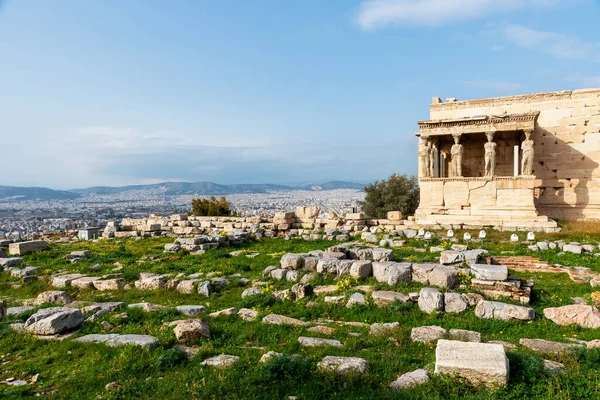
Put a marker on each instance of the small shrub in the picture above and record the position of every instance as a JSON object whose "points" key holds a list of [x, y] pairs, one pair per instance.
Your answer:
{"points": [[259, 300], [279, 369], [345, 284], [464, 278], [171, 358]]}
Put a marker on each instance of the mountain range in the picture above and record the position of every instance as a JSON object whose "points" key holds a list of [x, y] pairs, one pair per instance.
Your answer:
{"points": [[14, 193]]}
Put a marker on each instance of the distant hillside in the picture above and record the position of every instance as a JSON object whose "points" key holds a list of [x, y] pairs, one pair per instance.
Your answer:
{"points": [[13, 193], [210, 188], [177, 188]]}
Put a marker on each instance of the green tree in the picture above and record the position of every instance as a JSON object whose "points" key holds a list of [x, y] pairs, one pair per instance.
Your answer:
{"points": [[212, 207], [397, 193]]}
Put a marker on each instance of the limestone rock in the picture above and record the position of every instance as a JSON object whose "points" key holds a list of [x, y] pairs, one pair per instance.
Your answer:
{"points": [[548, 347], [479, 363], [472, 298], [16, 311], [420, 272], [292, 261], [278, 274], [277, 319], [152, 283], [383, 328], [380, 254], [109, 284], [428, 334], [410, 379], [344, 365], [386, 297], [497, 310], [554, 367], [226, 311], [334, 299], [172, 247], [361, 269], [444, 277], [53, 297], [284, 294], [64, 280], [391, 272], [251, 292], [430, 299], [451, 257], [85, 282], [189, 330], [465, 335], [191, 311], [115, 340], [10, 262], [301, 290], [356, 298], [53, 321], [572, 248], [270, 355], [313, 342], [454, 303], [187, 286], [221, 361], [247, 314], [147, 307], [578, 314], [490, 272]]}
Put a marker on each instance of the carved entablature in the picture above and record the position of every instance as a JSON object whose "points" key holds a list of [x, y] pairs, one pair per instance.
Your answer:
{"points": [[478, 124]]}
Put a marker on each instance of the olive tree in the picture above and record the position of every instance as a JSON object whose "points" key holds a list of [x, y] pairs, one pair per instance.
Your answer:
{"points": [[397, 193]]}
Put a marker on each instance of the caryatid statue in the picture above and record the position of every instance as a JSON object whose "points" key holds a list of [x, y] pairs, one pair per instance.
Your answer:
{"points": [[456, 152], [432, 149], [424, 145], [527, 155], [490, 155]]}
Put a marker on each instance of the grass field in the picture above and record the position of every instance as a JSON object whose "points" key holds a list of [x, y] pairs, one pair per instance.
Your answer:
{"points": [[70, 370]]}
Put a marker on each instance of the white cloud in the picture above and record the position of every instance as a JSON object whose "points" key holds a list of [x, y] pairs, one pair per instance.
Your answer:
{"points": [[584, 81], [554, 44], [375, 14], [498, 86]]}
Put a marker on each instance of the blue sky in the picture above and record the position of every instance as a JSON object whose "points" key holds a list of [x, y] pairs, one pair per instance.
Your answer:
{"points": [[118, 92]]}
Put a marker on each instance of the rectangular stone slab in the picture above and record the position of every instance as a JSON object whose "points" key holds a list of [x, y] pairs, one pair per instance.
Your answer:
{"points": [[490, 272], [479, 363]]}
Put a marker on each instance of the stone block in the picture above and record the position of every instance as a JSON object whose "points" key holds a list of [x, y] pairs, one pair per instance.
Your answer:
{"points": [[361, 269], [420, 272], [479, 363], [490, 272], [22, 248], [454, 303], [428, 334], [444, 277], [392, 272], [394, 215], [497, 310], [386, 297], [430, 299]]}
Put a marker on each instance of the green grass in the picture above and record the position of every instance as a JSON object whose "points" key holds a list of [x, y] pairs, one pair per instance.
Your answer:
{"points": [[71, 370]]}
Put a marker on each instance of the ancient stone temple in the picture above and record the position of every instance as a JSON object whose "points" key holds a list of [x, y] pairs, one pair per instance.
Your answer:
{"points": [[515, 162]]}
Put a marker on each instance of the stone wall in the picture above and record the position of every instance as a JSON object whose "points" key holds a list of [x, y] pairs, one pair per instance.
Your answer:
{"points": [[567, 146], [305, 221]]}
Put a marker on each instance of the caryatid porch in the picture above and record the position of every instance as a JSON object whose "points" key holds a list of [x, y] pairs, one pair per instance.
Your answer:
{"points": [[478, 171]]}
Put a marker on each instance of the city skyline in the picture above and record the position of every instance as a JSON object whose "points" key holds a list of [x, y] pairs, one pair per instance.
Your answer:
{"points": [[125, 93]]}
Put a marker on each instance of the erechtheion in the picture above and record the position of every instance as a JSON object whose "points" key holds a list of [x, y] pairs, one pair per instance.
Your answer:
{"points": [[516, 162]]}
